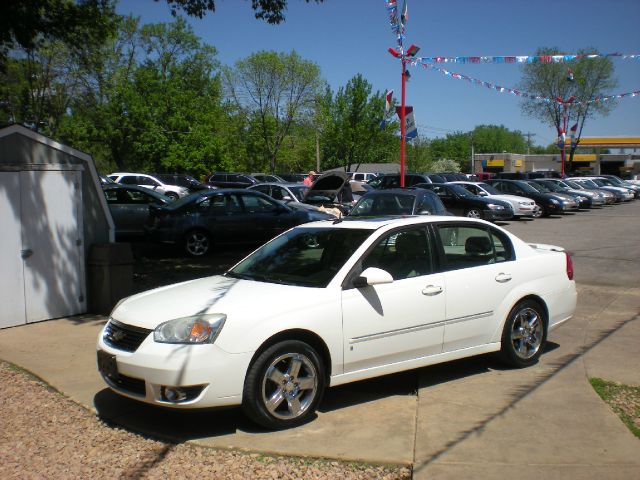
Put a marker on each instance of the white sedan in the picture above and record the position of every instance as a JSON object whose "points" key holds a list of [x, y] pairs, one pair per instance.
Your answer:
{"points": [[522, 206], [332, 302]]}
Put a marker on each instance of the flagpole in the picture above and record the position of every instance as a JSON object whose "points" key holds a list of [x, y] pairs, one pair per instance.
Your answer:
{"points": [[402, 123]]}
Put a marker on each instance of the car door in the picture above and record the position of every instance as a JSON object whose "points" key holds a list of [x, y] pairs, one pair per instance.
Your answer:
{"points": [[449, 199], [399, 321], [129, 209], [221, 215], [263, 218], [478, 266]]}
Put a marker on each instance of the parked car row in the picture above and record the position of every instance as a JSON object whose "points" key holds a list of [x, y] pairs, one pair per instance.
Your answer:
{"points": [[542, 195]]}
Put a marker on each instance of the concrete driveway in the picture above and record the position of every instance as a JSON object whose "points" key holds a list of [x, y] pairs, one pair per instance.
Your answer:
{"points": [[470, 418]]}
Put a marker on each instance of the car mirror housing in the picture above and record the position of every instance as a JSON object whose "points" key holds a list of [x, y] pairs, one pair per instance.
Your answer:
{"points": [[372, 276]]}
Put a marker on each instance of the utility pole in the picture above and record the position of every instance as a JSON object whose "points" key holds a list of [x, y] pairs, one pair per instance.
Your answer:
{"points": [[529, 135]]}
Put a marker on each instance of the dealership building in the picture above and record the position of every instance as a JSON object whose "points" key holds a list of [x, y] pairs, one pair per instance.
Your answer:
{"points": [[626, 161]]}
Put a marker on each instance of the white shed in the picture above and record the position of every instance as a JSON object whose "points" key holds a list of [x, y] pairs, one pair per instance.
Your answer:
{"points": [[52, 210]]}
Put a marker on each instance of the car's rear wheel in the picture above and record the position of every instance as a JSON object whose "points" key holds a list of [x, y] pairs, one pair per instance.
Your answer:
{"points": [[524, 334], [284, 385], [197, 243], [473, 213]]}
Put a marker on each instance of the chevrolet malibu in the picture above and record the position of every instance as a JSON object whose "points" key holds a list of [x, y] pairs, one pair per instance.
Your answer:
{"points": [[332, 302]]}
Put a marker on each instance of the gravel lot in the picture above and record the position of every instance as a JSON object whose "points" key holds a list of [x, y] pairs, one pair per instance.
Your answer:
{"points": [[45, 435]]}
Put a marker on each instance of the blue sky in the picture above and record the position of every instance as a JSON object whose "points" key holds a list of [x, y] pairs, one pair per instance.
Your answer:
{"points": [[347, 37]]}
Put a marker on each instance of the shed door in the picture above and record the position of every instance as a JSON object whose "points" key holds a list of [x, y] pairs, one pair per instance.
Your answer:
{"points": [[52, 239], [12, 311], [42, 253]]}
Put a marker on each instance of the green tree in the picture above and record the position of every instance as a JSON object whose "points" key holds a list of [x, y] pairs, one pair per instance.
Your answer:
{"points": [[154, 104], [352, 134], [272, 92], [78, 24], [272, 11], [592, 77]]}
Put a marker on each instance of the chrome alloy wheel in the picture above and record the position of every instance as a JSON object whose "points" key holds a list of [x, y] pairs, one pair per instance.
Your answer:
{"points": [[537, 211], [527, 333], [474, 213], [289, 386], [197, 244]]}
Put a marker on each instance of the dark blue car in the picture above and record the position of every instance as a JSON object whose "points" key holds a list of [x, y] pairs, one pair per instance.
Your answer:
{"points": [[231, 216]]}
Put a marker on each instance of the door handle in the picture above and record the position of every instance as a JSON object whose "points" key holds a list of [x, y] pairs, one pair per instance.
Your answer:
{"points": [[431, 290], [503, 277], [26, 253]]}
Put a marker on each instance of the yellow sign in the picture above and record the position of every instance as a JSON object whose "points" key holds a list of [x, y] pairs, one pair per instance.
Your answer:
{"points": [[495, 163], [517, 163], [587, 157]]}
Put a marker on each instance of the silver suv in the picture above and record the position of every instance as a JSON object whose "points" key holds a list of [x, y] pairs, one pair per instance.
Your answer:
{"points": [[151, 182]]}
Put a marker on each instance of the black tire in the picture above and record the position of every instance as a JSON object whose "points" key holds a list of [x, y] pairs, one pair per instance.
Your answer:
{"points": [[473, 213], [172, 195], [284, 385], [524, 335], [539, 211], [197, 243]]}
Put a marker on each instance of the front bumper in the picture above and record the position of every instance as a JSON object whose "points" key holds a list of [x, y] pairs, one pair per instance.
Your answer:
{"points": [[211, 376], [505, 214]]}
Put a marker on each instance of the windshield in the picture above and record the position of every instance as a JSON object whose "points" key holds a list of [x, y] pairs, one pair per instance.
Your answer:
{"points": [[460, 190], [603, 182], [383, 204], [589, 183], [573, 184], [540, 187], [300, 191], [526, 187], [304, 256], [552, 186], [490, 189]]}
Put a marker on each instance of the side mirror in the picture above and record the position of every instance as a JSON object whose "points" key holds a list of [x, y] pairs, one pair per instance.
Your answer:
{"points": [[287, 198], [424, 212], [372, 276], [483, 194]]}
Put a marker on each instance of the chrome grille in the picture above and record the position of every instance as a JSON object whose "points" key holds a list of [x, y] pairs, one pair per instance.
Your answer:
{"points": [[124, 337]]}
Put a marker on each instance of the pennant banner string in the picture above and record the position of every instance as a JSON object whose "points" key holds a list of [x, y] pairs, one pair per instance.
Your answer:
{"points": [[524, 58], [520, 93]]}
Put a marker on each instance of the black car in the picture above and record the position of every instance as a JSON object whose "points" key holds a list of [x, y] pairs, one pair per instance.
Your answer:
{"points": [[548, 203], [460, 201], [183, 180], [129, 206], [231, 180], [398, 201], [584, 201], [392, 180], [226, 216]]}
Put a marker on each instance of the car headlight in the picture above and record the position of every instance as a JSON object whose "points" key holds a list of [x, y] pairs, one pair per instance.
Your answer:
{"points": [[493, 206], [196, 329]]}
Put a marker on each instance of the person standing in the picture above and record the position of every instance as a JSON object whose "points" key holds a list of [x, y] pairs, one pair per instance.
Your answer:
{"points": [[308, 180]]}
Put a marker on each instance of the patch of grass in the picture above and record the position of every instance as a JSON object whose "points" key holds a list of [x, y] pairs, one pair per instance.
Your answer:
{"points": [[624, 400]]}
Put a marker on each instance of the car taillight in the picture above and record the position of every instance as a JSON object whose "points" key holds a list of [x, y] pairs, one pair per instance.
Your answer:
{"points": [[569, 266]]}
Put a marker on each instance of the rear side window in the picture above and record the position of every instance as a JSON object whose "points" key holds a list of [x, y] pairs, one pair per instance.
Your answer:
{"points": [[465, 246]]}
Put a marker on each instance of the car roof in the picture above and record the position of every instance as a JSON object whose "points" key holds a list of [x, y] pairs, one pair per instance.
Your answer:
{"points": [[374, 223], [278, 184]]}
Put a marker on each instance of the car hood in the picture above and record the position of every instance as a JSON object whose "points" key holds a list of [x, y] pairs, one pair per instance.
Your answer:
{"points": [[327, 185], [216, 294]]}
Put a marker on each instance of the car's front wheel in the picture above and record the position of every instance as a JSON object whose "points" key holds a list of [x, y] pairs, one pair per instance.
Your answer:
{"points": [[197, 243], [538, 211], [284, 385], [473, 213], [524, 334], [172, 195]]}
